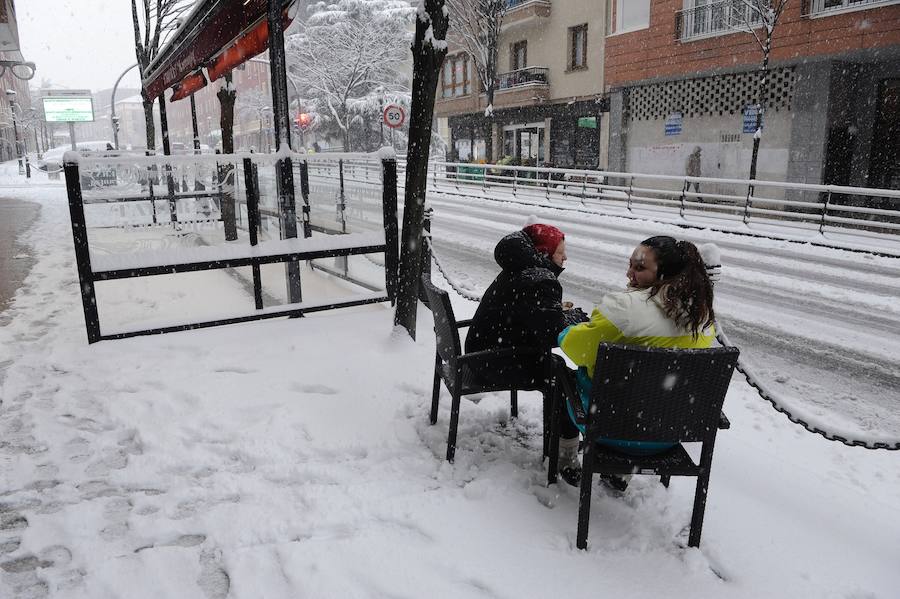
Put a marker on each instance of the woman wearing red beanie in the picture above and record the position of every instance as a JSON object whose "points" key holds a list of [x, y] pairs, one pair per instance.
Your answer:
{"points": [[521, 308]]}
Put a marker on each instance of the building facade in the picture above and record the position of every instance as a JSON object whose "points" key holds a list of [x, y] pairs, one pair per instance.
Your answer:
{"points": [[683, 74], [548, 106], [253, 124]]}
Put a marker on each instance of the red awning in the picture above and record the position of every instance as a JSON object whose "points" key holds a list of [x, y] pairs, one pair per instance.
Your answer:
{"points": [[188, 86], [253, 42], [213, 25]]}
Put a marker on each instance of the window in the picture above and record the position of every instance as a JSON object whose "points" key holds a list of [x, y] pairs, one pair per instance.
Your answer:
{"points": [[455, 78], [518, 56], [827, 6], [578, 47], [628, 15]]}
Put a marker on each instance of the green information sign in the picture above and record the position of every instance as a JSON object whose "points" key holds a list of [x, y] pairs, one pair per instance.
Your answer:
{"points": [[68, 110], [588, 122]]}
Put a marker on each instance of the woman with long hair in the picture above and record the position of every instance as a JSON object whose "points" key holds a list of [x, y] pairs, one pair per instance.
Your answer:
{"points": [[668, 303]]}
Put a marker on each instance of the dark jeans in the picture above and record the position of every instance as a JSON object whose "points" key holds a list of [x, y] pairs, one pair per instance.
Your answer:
{"points": [[567, 390]]}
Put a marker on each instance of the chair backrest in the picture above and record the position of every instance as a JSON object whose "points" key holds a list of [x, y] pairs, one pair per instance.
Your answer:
{"points": [[445, 331], [659, 394]]}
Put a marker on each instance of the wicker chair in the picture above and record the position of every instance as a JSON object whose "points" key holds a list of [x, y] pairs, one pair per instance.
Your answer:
{"points": [[649, 394], [453, 367]]}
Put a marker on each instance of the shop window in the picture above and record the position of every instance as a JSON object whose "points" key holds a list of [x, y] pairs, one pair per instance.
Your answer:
{"points": [[578, 47]]}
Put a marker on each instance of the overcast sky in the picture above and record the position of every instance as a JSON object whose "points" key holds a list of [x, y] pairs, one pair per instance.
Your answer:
{"points": [[78, 44]]}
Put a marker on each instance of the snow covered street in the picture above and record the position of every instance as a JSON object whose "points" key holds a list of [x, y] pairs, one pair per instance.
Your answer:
{"points": [[293, 458]]}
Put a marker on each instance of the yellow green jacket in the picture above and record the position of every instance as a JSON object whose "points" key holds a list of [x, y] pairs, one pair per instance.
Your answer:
{"points": [[630, 318]]}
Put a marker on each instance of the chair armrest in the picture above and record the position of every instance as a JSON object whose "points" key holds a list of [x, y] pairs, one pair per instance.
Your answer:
{"points": [[463, 323], [724, 423], [506, 352]]}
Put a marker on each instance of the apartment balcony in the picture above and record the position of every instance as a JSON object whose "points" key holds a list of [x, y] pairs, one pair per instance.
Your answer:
{"points": [[718, 18], [522, 87], [824, 8], [525, 11], [455, 105]]}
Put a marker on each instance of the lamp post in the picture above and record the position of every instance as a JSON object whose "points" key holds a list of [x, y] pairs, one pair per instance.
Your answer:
{"points": [[112, 107], [11, 96]]}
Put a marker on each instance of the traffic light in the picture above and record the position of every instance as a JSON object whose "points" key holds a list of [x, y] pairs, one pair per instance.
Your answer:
{"points": [[303, 120]]}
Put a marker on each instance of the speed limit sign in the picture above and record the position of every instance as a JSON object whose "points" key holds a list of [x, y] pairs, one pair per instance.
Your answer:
{"points": [[394, 116]]}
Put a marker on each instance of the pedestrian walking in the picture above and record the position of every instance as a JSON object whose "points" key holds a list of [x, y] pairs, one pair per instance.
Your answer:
{"points": [[692, 169]]}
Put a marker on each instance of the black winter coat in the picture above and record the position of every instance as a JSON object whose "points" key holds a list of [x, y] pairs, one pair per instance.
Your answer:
{"points": [[522, 307]]}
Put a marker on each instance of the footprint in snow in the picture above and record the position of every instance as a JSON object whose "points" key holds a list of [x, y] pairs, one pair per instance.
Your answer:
{"points": [[235, 370], [314, 389]]}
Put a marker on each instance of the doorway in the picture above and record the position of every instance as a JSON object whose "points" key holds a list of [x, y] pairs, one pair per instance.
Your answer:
{"points": [[884, 161], [525, 143]]}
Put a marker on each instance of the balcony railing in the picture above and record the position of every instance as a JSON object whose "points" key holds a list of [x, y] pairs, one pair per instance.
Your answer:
{"points": [[820, 7], [526, 76], [718, 18], [510, 4]]}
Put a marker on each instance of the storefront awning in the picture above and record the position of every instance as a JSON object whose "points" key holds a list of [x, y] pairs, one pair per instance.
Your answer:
{"points": [[188, 86], [211, 29]]}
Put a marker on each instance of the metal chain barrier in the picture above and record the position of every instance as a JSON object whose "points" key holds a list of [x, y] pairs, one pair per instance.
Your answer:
{"points": [[460, 291], [752, 379], [770, 397]]}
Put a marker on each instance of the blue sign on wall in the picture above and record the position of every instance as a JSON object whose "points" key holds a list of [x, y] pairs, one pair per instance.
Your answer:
{"points": [[673, 123], [750, 118]]}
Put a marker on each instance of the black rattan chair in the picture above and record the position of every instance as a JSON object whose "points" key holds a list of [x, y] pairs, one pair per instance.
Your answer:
{"points": [[649, 394], [453, 367]]}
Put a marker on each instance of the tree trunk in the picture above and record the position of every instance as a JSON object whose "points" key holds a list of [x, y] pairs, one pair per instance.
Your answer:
{"points": [[762, 96], [149, 125], [427, 61], [227, 97]]}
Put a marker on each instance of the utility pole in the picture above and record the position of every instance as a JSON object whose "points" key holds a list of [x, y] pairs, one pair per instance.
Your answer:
{"points": [[194, 125], [284, 168]]}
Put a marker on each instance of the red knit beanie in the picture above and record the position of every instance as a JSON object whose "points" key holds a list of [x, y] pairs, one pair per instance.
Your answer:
{"points": [[546, 238]]}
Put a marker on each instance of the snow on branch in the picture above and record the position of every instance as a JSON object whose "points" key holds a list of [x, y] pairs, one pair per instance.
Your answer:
{"points": [[349, 56]]}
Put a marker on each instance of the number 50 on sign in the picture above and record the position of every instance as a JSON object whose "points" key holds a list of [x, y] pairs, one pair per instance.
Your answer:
{"points": [[394, 116]]}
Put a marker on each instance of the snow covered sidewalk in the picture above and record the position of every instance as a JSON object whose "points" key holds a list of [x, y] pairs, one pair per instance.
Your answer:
{"points": [[293, 458]]}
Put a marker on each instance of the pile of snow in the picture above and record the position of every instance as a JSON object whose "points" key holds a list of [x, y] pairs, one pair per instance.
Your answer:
{"points": [[294, 458]]}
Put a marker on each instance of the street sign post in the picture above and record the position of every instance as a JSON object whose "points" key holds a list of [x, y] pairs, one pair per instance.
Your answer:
{"points": [[394, 116]]}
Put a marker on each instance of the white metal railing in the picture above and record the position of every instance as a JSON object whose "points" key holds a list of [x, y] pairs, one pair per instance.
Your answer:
{"points": [[826, 208], [716, 18], [525, 76], [824, 7]]}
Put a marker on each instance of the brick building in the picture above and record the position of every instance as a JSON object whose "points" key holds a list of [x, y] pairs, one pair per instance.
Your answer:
{"points": [[252, 128], [680, 75], [547, 108]]}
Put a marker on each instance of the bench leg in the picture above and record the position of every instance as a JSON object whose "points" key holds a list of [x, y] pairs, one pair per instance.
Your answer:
{"points": [[584, 496], [664, 480], [513, 403], [436, 390]]}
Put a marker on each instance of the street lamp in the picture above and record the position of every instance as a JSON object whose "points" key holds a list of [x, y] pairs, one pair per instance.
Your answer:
{"points": [[11, 96], [112, 107]]}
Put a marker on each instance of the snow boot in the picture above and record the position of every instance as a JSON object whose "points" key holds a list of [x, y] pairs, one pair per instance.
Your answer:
{"points": [[615, 482], [569, 465]]}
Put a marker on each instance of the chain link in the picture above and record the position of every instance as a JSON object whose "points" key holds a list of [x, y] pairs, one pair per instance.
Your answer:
{"points": [[742, 367], [465, 294]]}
